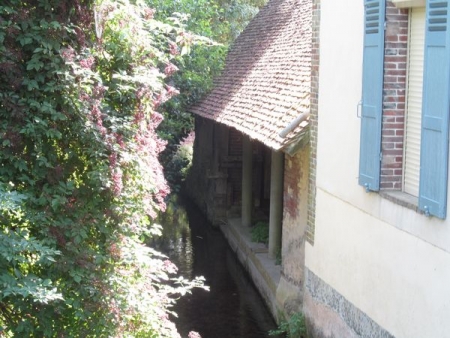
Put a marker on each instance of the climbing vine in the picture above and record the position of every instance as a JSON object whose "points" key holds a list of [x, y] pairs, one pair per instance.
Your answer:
{"points": [[80, 181]]}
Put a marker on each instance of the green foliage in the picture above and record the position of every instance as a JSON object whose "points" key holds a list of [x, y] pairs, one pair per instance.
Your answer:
{"points": [[260, 232], [80, 181], [219, 20], [294, 327], [23, 258], [178, 167], [194, 80]]}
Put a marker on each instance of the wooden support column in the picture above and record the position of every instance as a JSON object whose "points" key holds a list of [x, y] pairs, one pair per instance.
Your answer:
{"points": [[276, 203], [247, 164]]}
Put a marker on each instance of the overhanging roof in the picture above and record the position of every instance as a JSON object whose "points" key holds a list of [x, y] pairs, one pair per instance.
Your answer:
{"points": [[265, 85]]}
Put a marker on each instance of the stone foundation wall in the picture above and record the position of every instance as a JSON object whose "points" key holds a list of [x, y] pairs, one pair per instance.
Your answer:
{"points": [[330, 315]]}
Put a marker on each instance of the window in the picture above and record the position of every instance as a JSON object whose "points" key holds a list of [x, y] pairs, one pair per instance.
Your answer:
{"points": [[431, 175]]}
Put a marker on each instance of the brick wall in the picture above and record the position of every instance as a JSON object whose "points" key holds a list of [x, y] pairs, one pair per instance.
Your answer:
{"points": [[295, 205], [313, 122], [394, 91], [293, 173]]}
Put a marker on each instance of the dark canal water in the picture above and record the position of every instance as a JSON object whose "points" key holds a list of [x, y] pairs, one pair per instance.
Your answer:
{"points": [[232, 308]]}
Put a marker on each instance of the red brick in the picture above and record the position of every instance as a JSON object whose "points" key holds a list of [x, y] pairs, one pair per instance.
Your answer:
{"points": [[394, 96]]}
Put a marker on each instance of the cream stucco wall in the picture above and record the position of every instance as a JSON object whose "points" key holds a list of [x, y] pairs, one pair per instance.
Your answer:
{"points": [[389, 261]]}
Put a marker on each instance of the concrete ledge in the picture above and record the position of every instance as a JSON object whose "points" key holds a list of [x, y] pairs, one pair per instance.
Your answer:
{"points": [[254, 257]]}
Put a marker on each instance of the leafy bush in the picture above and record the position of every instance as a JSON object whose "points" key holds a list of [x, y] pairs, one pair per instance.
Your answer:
{"points": [[260, 232], [294, 327], [80, 180], [177, 169]]}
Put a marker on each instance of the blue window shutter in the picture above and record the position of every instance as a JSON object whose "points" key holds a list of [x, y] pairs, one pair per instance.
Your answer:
{"points": [[435, 111], [372, 94]]}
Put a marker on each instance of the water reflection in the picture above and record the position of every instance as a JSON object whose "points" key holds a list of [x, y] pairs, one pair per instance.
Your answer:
{"points": [[232, 308]]}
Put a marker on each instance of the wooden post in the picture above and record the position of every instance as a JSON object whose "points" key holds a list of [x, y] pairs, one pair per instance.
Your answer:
{"points": [[276, 203], [247, 167]]}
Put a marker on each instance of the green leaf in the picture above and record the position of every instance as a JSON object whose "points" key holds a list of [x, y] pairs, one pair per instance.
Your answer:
{"points": [[32, 84], [25, 40]]}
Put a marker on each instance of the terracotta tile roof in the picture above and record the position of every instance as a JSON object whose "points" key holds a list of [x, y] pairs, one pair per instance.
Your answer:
{"points": [[266, 81]]}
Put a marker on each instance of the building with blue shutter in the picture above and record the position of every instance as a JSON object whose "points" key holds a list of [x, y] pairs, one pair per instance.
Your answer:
{"points": [[377, 257], [362, 224]]}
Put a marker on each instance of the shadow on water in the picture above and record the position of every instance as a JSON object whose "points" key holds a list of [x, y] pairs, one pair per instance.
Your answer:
{"points": [[232, 308]]}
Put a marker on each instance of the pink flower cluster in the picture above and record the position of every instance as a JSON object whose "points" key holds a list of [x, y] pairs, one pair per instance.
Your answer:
{"points": [[157, 118], [173, 48], [170, 69], [116, 175], [98, 91], [87, 63], [117, 182], [171, 92], [170, 267], [119, 140], [96, 117], [149, 145], [165, 95], [149, 13]]}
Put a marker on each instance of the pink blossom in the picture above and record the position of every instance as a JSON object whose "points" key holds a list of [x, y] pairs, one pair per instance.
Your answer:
{"points": [[119, 140], [141, 92], [98, 91], [117, 182], [112, 160], [170, 267], [102, 130], [194, 334], [173, 48], [159, 100], [138, 117], [171, 91], [87, 63], [96, 113], [170, 69], [157, 118], [96, 117], [151, 212], [149, 13]]}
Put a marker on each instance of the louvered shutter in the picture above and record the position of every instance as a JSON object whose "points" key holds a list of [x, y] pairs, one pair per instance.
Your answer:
{"points": [[436, 100], [372, 94], [416, 46]]}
